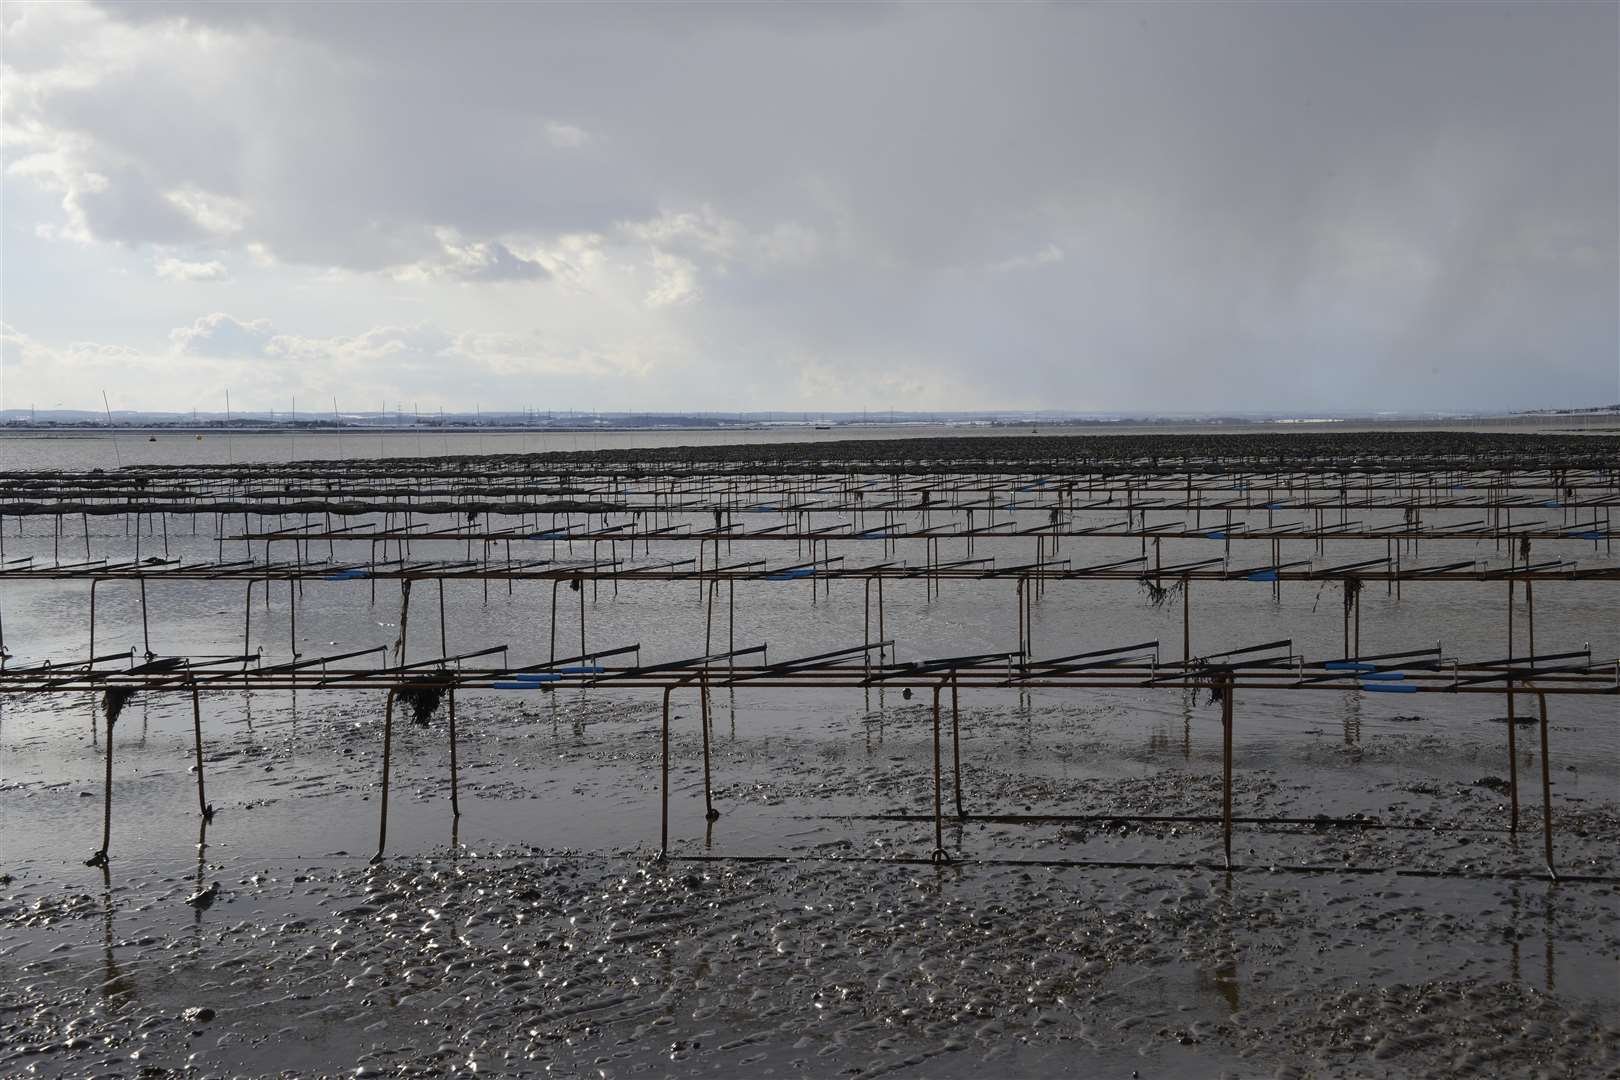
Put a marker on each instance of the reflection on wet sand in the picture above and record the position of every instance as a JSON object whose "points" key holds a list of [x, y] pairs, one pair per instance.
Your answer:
{"points": [[1222, 979]]}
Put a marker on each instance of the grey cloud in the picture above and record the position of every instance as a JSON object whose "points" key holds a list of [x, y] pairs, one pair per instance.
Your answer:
{"points": [[489, 261], [184, 270], [224, 336], [124, 205], [1357, 204]]}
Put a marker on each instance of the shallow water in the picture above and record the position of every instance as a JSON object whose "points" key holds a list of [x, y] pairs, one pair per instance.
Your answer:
{"points": [[88, 448], [537, 934]]}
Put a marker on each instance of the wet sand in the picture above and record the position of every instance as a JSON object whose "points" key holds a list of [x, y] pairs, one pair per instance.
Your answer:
{"points": [[796, 936]]}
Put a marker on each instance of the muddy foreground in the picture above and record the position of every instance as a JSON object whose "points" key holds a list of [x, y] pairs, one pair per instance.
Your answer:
{"points": [[798, 936]]}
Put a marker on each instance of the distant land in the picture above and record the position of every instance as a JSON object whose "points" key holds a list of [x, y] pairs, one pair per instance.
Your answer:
{"points": [[47, 420]]}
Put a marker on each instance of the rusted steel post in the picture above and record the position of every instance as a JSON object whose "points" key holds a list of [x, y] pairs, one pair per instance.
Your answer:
{"points": [[100, 857], [196, 735], [1357, 653], [1029, 622], [709, 812], [663, 833], [866, 625], [247, 624], [455, 793], [813, 575], [92, 619], [1347, 587], [938, 854], [444, 640], [1530, 614], [582, 618], [1512, 726], [554, 583], [388, 748], [1023, 652], [882, 650], [146, 634], [404, 619], [292, 618], [956, 748], [1546, 792], [1226, 769], [708, 618]]}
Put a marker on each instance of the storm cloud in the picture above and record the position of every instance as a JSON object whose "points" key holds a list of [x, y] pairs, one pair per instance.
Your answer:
{"points": [[1134, 207]]}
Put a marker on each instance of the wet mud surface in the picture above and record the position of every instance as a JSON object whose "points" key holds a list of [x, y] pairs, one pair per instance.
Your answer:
{"points": [[805, 932]]}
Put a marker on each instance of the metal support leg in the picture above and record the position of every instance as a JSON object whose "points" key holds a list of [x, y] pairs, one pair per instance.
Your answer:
{"points": [[956, 749], [206, 810], [146, 634], [708, 617], [1546, 792], [1226, 771], [455, 801], [247, 624], [709, 812], [388, 748], [938, 854], [100, 857], [444, 639], [1513, 763], [881, 635], [554, 583], [663, 833]]}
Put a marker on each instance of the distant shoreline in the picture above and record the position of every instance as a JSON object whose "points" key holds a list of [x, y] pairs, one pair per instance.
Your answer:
{"points": [[1575, 424]]}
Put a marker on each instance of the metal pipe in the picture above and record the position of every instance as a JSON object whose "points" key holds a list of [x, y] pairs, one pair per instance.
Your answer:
{"points": [[455, 801], [956, 749], [554, 583], [196, 735], [146, 634], [939, 854], [100, 857], [709, 812], [663, 834], [1546, 793], [1226, 769], [388, 747], [1512, 726]]}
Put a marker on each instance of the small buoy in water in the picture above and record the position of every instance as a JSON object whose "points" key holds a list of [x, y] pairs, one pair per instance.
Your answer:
{"points": [[199, 438], [151, 438]]}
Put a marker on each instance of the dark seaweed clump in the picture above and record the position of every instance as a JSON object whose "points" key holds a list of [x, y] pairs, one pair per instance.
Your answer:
{"points": [[422, 700]]}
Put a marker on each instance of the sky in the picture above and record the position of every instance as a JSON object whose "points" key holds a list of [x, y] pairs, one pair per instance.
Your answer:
{"points": [[1167, 207]]}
